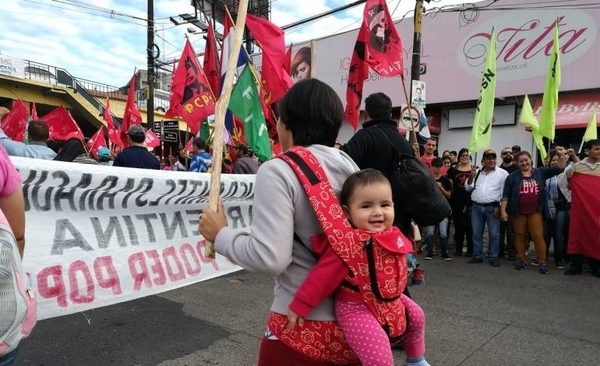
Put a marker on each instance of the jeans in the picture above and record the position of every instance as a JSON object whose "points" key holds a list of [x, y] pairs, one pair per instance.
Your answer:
{"points": [[9, 358], [462, 227], [555, 229], [480, 216], [430, 231], [507, 239]]}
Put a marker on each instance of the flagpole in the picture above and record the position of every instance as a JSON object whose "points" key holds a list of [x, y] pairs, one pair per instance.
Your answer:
{"points": [[313, 59], [187, 140], [221, 109], [162, 139], [410, 108]]}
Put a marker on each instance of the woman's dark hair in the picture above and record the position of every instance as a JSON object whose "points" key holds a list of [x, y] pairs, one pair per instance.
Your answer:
{"points": [[313, 113], [462, 151], [70, 150], [359, 179], [552, 153]]}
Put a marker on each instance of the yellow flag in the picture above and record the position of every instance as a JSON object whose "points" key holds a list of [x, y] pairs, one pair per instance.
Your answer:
{"points": [[550, 101], [481, 134], [527, 117], [539, 142], [591, 132]]}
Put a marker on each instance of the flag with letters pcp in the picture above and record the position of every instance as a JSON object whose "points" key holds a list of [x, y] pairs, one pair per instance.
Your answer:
{"points": [[245, 104]]}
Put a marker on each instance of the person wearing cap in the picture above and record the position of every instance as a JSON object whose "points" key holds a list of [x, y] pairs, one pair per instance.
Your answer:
{"points": [[486, 186], [136, 155], [201, 161], [104, 157], [244, 163]]}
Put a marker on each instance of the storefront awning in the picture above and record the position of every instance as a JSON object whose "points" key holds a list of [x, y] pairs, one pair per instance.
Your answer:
{"points": [[574, 110]]}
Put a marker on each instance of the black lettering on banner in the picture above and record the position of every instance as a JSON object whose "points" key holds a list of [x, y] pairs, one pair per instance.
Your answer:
{"points": [[169, 182], [168, 201], [60, 242], [171, 228], [235, 214], [233, 188], [60, 194], [194, 221], [28, 182], [133, 236], [35, 194], [149, 183], [183, 183], [104, 236], [149, 228], [108, 183]]}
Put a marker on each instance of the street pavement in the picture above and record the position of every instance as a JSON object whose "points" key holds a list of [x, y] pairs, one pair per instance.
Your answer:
{"points": [[477, 315]]}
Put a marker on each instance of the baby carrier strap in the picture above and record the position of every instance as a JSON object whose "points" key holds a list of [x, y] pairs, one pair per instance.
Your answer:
{"points": [[354, 247]]}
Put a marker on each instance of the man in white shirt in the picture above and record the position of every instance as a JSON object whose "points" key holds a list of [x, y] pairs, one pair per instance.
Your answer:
{"points": [[486, 186]]}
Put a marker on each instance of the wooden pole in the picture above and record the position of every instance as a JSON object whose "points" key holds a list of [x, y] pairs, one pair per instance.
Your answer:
{"points": [[221, 109], [408, 103]]}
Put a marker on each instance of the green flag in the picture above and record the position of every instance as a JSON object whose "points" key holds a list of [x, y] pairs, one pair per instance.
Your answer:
{"points": [[528, 119], [591, 132], [244, 103], [550, 101], [205, 130], [481, 135]]}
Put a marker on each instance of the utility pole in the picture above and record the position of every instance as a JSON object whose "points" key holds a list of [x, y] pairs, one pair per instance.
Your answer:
{"points": [[415, 72], [150, 52]]}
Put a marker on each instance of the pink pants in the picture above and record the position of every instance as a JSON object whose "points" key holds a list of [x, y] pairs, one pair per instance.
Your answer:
{"points": [[368, 339]]}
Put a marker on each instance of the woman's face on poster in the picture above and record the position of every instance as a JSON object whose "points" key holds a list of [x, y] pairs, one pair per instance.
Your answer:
{"points": [[303, 71]]}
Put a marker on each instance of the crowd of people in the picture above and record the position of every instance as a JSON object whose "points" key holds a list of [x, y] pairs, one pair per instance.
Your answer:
{"points": [[514, 200]]}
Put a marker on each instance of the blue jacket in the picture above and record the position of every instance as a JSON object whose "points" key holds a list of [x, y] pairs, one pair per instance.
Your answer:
{"points": [[512, 186]]}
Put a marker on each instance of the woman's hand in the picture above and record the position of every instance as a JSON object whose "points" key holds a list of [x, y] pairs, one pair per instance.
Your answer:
{"points": [[211, 222]]}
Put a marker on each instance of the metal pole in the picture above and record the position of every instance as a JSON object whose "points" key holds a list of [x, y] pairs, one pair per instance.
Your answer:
{"points": [[150, 79]]}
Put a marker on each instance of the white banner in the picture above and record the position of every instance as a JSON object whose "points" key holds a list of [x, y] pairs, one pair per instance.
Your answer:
{"points": [[12, 66], [100, 235]]}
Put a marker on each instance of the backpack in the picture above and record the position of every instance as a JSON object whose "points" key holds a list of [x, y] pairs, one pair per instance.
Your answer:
{"points": [[378, 269], [18, 308], [415, 187]]}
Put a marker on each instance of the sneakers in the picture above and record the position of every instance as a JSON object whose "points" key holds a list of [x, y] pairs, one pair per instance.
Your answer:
{"points": [[542, 268], [494, 262], [475, 260], [560, 265], [520, 265], [446, 257], [429, 256]]}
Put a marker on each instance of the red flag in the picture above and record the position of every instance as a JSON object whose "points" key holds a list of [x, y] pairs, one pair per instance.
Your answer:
{"points": [[379, 46], [151, 139], [61, 124], [287, 61], [270, 38], [34, 114], [132, 115], [96, 142], [383, 45], [357, 73], [113, 134], [211, 61], [585, 210], [191, 97], [14, 123], [189, 147]]}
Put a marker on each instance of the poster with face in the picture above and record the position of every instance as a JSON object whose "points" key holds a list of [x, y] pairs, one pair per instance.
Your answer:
{"points": [[301, 63]]}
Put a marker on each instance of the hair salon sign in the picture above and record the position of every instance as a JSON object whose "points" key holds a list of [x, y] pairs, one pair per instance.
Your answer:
{"points": [[524, 42]]}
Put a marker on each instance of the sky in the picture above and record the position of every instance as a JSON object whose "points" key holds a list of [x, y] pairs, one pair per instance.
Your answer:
{"points": [[104, 41]]}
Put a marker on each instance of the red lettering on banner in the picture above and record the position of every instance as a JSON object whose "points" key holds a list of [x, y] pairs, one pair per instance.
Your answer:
{"points": [[139, 274], [170, 256], [187, 253], [111, 281], [76, 297], [200, 247], [157, 268], [57, 289]]}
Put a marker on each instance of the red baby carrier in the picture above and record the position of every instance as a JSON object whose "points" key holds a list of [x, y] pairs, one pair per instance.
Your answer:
{"points": [[377, 268]]}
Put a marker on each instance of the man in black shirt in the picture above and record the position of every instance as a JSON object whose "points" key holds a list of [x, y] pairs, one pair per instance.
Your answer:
{"points": [[369, 147]]}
